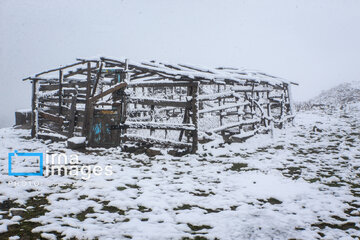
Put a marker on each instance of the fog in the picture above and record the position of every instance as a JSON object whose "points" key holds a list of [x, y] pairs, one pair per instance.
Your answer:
{"points": [[314, 43]]}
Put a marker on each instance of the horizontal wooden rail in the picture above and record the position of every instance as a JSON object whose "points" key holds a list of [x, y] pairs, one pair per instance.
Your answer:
{"points": [[158, 102], [138, 138], [161, 84], [237, 124], [52, 117], [223, 107], [215, 96], [251, 89], [154, 125]]}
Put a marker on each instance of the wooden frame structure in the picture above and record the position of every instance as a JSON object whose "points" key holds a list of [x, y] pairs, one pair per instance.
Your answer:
{"points": [[114, 101]]}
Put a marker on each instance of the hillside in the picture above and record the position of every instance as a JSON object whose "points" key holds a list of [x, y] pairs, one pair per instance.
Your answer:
{"points": [[342, 94]]}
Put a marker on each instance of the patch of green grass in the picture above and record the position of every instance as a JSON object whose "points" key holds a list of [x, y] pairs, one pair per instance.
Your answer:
{"points": [[113, 209], [238, 166], [82, 216], [25, 226], [132, 186], [121, 188], [144, 209], [343, 226], [183, 207], [198, 227]]}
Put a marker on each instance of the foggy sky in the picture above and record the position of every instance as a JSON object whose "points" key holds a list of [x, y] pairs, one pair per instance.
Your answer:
{"points": [[315, 43]]}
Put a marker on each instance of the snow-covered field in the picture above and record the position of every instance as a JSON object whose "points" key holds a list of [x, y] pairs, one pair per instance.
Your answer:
{"points": [[304, 184]]}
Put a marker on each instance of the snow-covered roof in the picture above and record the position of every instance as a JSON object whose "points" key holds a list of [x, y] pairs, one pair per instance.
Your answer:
{"points": [[179, 71], [185, 71]]}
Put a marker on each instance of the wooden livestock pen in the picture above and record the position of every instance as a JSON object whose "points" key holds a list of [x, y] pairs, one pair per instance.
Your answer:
{"points": [[115, 101]]}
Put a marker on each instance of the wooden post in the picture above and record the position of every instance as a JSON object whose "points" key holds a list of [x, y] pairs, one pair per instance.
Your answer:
{"points": [[86, 127], [98, 76], [291, 106], [72, 115], [152, 118], [186, 111], [61, 79], [35, 113], [195, 116]]}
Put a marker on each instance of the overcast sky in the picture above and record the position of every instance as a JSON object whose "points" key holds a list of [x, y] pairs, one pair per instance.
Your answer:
{"points": [[314, 43]]}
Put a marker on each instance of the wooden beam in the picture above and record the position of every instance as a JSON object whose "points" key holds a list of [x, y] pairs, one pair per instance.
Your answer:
{"points": [[72, 116], [150, 140], [158, 102], [108, 91], [154, 125], [52, 117], [34, 106], [98, 75], [223, 107], [55, 69], [161, 83], [235, 124], [195, 116], [61, 78], [86, 126]]}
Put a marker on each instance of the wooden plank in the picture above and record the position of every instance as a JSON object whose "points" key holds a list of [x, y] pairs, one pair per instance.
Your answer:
{"points": [[161, 84], [186, 118], [108, 91], [154, 125], [223, 107], [34, 107], [150, 140], [215, 96], [251, 89], [98, 75], [65, 100], [79, 71], [72, 116], [53, 136], [86, 127], [61, 78], [50, 87], [51, 117], [195, 116], [56, 69], [232, 125], [158, 102], [245, 135]]}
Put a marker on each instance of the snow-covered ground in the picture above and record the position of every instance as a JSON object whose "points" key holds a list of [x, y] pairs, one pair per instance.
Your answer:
{"points": [[304, 184]]}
